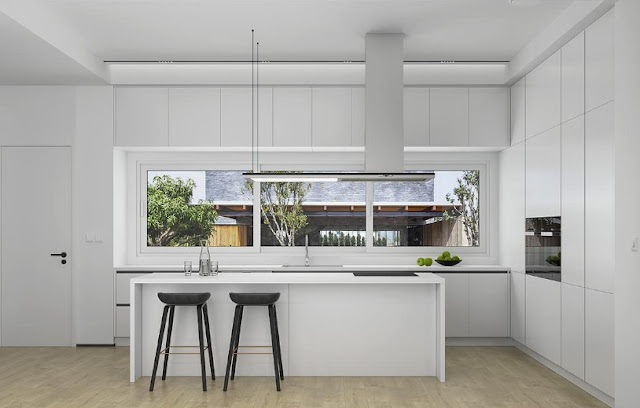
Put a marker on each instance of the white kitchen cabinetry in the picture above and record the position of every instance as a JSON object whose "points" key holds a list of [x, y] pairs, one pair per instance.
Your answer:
{"points": [[573, 201], [543, 95], [122, 290], [599, 201], [573, 329], [489, 117], [599, 62], [599, 341], [194, 116], [264, 117], [518, 306], [518, 112], [122, 322], [235, 117], [331, 117], [292, 117], [543, 167], [543, 318], [573, 78], [456, 304], [449, 117], [141, 116], [357, 116], [416, 116], [511, 190], [488, 305]]}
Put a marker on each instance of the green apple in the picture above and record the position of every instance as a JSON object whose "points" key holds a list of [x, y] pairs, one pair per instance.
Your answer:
{"points": [[446, 254], [455, 258], [428, 261], [420, 261], [440, 258]]}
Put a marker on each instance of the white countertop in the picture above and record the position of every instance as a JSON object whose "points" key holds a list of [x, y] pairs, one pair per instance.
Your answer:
{"points": [[435, 268], [285, 278]]}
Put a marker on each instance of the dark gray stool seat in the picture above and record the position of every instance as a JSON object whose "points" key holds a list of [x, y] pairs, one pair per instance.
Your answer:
{"points": [[171, 300], [183, 299], [254, 299]]}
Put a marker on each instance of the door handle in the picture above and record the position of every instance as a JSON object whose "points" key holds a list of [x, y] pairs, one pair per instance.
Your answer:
{"points": [[61, 254]]}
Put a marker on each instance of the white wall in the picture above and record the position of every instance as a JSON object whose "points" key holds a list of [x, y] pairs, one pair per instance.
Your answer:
{"points": [[627, 196]]}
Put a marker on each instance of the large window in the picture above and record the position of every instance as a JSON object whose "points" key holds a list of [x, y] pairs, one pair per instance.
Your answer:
{"points": [[185, 207]]}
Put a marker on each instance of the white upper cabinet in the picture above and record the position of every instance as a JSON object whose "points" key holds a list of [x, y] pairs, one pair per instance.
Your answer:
{"points": [[518, 112], [543, 167], [572, 328], [331, 116], [264, 117], [511, 192], [599, 61], [573, 78], [489, 117], [543, 95], [599, 201], [235, 117], [416, 116], [292, 117], [599, 341], [449, 117], [543, 317], [142, 116], [357, 116], [194, 116], [573, 201], [488, 305]]}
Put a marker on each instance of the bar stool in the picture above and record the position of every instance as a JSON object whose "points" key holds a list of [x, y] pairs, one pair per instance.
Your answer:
{"points": [[254, 299], [171, 300]]}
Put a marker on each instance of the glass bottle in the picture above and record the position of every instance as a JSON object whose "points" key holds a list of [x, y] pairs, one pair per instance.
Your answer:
{"points": [[204, 266]]}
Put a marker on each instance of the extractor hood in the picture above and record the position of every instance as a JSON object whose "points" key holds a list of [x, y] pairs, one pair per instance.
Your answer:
{"points": [[384, 127]]}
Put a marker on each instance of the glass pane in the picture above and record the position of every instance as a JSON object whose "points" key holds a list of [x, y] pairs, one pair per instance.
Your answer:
{"points": [[443, 211], [330, 213], [184, 207]]}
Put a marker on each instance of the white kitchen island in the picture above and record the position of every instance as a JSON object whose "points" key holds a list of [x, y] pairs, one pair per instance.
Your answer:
{"points": [[331, 324]]}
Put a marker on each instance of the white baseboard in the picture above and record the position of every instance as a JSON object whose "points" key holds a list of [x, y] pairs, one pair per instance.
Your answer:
{"points": [[121, 341], [607, 399], [479, 341]]}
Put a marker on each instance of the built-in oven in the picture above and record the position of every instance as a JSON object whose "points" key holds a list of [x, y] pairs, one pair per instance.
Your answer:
{"points": [[543, 256]]}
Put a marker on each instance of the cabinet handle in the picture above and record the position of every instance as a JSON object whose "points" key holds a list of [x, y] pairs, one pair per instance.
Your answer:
{"points": [[61, 254]]}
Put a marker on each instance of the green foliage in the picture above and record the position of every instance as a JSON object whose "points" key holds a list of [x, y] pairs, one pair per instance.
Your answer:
{"points": [[281, 208], [467, 194], [171, 219]]}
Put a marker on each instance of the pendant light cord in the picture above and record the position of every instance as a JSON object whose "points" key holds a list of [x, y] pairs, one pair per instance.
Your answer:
{"points": [[254, 165], [258, 106]]}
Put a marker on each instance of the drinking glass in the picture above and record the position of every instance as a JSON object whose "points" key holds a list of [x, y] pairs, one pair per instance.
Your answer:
{"points": [[188, 268]]}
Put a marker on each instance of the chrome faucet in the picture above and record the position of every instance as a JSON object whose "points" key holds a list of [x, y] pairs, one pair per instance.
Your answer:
{"points": [[306, 250]]}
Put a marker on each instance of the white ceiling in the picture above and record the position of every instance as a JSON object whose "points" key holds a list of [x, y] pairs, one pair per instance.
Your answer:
{"points": [[302, 29]]}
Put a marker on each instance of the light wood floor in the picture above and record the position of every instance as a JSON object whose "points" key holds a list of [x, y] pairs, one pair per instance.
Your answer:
{"points": [[477, 377]]}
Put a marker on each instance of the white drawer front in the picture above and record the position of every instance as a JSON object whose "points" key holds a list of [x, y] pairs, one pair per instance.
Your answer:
{"points": [[122, 321], [122, 287]]}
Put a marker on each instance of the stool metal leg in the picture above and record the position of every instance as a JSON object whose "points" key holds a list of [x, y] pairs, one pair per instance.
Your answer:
{"points": [[200, 337], [235, 351], [232, 343], [275, 318], [168, 343], [274, 346], [208, 333], [158, 348]]}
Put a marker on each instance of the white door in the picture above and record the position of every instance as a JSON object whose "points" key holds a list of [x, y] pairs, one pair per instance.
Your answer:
{"points": [[36, 223]]}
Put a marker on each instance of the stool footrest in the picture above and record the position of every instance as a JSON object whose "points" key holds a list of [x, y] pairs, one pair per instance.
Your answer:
{"points": [[166, 350]]}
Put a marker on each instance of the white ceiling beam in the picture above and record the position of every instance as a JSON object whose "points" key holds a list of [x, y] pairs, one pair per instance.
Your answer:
{"points": [[578, 16], [36, 18]]}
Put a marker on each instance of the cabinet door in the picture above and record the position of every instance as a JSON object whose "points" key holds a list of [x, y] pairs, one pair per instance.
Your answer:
{"points": [[142, 116], [518, 112], [543, 317], [573, 329], [331, 116], [599, 61], [488, 305], [511, 222], [122, 321], [543, 96], [456, 304], [123, 288], [543, 167], [235, 117], [449, 117], [599, 198], [194, 117], [416, 116], [599, 337], [489, 117], [573, 78], [518, 306], [292, 117], [573, 201]]}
